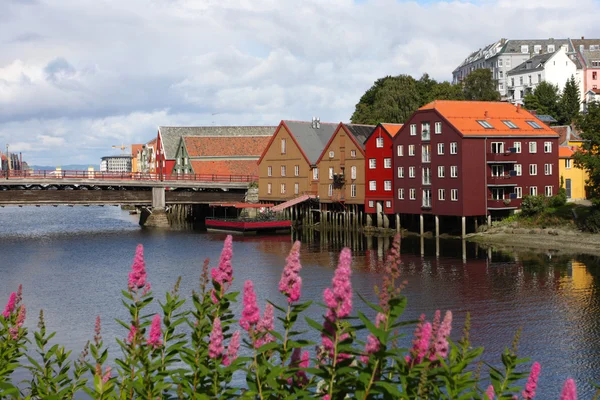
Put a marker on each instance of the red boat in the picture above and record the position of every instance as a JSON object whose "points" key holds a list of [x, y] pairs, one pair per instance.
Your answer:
{"points": [[249, 218]]}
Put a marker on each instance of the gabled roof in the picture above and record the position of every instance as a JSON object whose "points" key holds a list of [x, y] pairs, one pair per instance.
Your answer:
{"points": [[565, 152], [566, 133], [171, 135], [311, 140], [533, 64], [392, 129], [360, 132], [514, 46], [239, 167], [464, 116], [225, 146], [135, 148]]}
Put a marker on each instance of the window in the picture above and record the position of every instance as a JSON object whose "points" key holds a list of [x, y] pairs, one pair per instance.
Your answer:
{"points": [[454, 194], [400, 150], [497, 170], [412, 193], [438, 128], [426, 176], [296, 188], [296, 170], [372, 186], [568, 163], [411, 149], [521, 83], [517, 146], [533, 190], [518, 170], [547, 147], [532, 147], [425, 153], [534, 125], [441, 194], [400, 172], [379, 142], [501, 85], [269, 171], [413, 129], [510, 124], [371, 204], [453, 148], [519, 192], [548, 191], [497, 147], [539, 78], [497, 193], [353, 153], [441, 171], [548, 169], [425, 133], [387, 163], [388, 204], [331, 154], [401, 194], [387, 186], [330, 172], [594, 75], [330, 190], [411, 172], [372, 163], [269, 188], [485, 124], [353, 190], [283, 147], [550, 48], [454, 171], [524, 49], [283, 170], [353, 172], [426, 201], [315, 174], [537, 48], [499, 62], [282, 188], [185, 161], [532, 169], [440, 149]]}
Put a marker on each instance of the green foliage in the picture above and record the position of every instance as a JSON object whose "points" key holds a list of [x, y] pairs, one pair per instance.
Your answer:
{"points": [[569, 102], [588, 157], [544, 100], [533, 205], [590, 222], [480, 85]]}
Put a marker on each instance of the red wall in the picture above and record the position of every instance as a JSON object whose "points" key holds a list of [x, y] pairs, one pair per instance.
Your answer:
{"points": [[379, 174]]}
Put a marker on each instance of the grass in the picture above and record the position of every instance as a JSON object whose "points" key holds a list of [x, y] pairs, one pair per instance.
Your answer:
{"points": [[551, 217]]}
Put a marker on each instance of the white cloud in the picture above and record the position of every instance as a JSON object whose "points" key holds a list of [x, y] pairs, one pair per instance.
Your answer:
{"points": [[78, 76]]}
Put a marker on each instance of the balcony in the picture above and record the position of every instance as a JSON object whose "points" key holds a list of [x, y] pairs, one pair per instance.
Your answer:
{"points": [[338, 181], [505, 204], [426, 205], [502, 180], [506, 157]]}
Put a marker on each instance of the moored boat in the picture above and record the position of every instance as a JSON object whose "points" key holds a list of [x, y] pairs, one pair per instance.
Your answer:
{"points": [[249, 219]]}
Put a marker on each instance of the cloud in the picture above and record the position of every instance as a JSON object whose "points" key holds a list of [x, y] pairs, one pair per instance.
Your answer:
{"points": [[78, 76]]}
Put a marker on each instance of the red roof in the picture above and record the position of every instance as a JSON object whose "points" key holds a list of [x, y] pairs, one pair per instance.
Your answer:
{"points": [[229, 167], [135, 148], [464, 116], [565, 152], [225, 146], [392, 129]]}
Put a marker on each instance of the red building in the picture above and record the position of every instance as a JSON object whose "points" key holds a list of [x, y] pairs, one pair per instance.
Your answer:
{"points": [[472, 159], [379, 174]]}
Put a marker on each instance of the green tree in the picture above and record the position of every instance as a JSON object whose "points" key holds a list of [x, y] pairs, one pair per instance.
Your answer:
{"points": [[426, 87], [397, 100], [588, 157], [480, 85], [363, 113], [447, 91], [544, 100], [569, 102]]}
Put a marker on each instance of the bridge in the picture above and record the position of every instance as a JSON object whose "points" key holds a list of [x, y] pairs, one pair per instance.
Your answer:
{"points": [[104, 188]]}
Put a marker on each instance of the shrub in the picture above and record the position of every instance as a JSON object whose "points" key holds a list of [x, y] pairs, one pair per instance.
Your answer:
{"points": [[559, 199], [194, 354], [590, 222], [533, 205]]}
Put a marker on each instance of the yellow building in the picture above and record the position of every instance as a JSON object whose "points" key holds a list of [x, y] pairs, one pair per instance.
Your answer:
{"points": [[574, 178]]}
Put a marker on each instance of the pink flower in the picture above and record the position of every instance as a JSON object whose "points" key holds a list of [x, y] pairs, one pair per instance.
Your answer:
{"points": [[213, 296], [265, 325], [251, 313], [19, 295], [21, 316], [147, 289], [435, 325], [326, 397], [106, 375], [441, 339], [137, 276], [223, 275], [97, 329], [373, 345], [490, 393], [421, 341], [291, 282], [132, 333], [215, 347], [569, 391], [10, 306], [155, 338], [299, 361], [531, 386], [232, 349]]}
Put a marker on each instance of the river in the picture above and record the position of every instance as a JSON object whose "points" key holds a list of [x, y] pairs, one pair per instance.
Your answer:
{"points": [[73, 263]]}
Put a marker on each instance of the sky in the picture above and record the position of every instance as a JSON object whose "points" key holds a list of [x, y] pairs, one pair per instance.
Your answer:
{"points": [[79, 76]]}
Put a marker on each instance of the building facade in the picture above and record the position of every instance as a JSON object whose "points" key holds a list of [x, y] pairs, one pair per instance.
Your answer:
{"points": [[588, 55], [120, 164], [472, 159], [379, 174], [573, 178]]}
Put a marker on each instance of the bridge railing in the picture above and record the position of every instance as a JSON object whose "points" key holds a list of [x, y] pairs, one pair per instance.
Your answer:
{"points": [[128, 176]]}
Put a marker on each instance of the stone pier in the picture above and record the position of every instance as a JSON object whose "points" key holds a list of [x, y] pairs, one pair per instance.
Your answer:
{"points": [[158, 215]]}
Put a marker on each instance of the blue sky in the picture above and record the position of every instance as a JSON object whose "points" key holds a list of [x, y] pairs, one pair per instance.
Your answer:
{"points": [[78, 76]]}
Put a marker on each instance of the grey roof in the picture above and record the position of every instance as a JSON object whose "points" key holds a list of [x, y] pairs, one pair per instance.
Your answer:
{"points": [[514, 46], [533, 64], [546, 118], [360, 132], [585, 42], [311, 140], [589, 56], [171, 135]]}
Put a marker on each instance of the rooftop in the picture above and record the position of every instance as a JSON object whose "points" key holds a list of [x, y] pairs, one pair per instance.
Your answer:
{"points": [[565, 152], [225, 146], [312, 140], [533, 64], [238, 167], [360, 132], [392, 129]]}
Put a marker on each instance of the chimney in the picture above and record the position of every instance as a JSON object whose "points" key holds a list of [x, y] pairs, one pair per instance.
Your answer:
{"points": [[318, 123], [518, 107], [485, 114], [314, 122]]}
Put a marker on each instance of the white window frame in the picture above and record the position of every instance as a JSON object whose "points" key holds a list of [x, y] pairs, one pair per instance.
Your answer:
{"points": [[296, 170], [441, 194], [379, 142], [353, 153], [532, 147], [425, 131], [387, 186], [331, 172], [400, 150], [282, 188], [283, 170], [547, 169], [517, 146], [315, 174], [498, 147], [371, 204], [387, 163], [411, 172], [454, 171], [353, 190], [269, 171], [331, 154], [441, 173], [547, 147], [440, 149], [533, 191], [372, 163], [372, 186], [269, 188], [454, 194], [413, 129], [400, 194], [388, 204], [283, 146], [411, 150], [330, 190], [548, 191], [519, 192], [412, 194], [568, 163], [518, 169], [453, 148], [296, 188], [400, 172], [532, 169], [438, 128], [353, 172]]}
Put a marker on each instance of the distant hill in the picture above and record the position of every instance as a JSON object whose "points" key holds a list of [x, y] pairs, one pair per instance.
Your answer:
{"points": [[70, 167]]}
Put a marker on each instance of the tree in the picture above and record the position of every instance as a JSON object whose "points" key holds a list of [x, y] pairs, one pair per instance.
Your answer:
{"points": [[425, 87], [480, 85], [588, 156], [363, 113], [569, 102], [447, 91], [544, 100]]}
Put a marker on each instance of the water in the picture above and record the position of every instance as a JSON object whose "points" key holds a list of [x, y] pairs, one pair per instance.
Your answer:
{"points": [[73, 263]]}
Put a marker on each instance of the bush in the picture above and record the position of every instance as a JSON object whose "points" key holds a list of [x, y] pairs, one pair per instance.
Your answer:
{"points": [[533, 205], [559, 199], [590, 222], [194, 354]]}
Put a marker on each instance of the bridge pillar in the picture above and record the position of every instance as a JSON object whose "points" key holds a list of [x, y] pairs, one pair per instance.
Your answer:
{"points": [[158, 215], [158, 197]]}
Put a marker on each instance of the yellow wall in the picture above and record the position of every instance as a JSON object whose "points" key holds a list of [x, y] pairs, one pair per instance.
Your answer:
{"points": [[577, 176]]}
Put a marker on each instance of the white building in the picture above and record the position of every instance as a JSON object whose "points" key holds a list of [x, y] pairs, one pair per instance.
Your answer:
{"points": [[120, 163], [555, 68]]}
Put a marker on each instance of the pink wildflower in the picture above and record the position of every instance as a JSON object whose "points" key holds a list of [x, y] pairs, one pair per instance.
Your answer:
{"points": [[19, 297], [215, 347], [97, 329], [213, 296], [131, 335], [223, 275], [569, 391], [441, 339], [291, 282], [490, 393], [21, 316], [299, 361], [147, 289], [373, 345], [106, 375], [435, 325], [326, 397], [420, 342], [232, 349], [531, 386], [251, 313], [155, 337], [10, 306], [265, 325], [137, 276]]}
